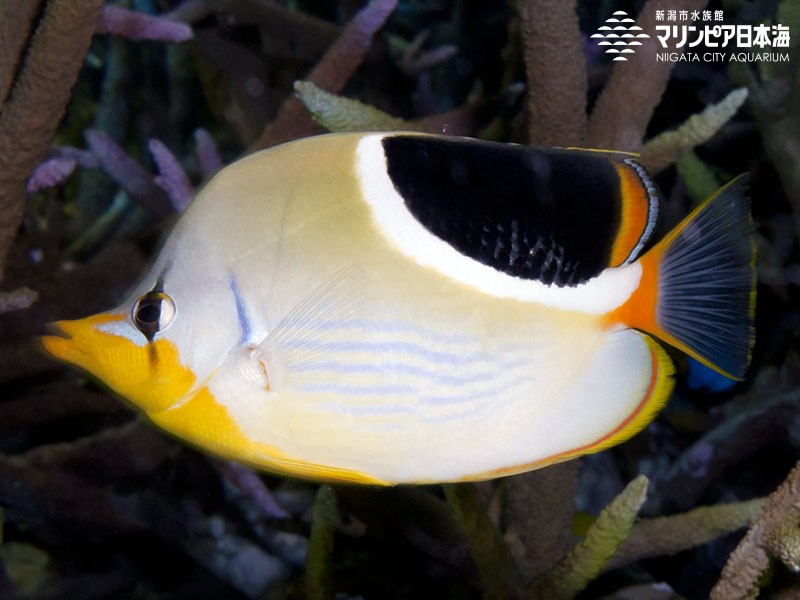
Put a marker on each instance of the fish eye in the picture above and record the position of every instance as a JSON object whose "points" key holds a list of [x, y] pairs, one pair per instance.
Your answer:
{"points": [[153, 312]]}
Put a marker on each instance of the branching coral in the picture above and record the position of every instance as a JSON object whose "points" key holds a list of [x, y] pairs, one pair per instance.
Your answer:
{"points": [[634, 89], [172, 178], [729, 443], [557, 108], [36, 102], [775, 100], [251, 532], [538, 513], [331, 72], [13, 37], [585, 561], [499, 575], [139, 26], [337, 113], [666, 148], [128, 173], [665, 536], [774, 534], [319, 578]]}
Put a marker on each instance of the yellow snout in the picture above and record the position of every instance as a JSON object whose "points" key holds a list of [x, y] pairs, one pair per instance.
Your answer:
{"points": [[150, 375]]}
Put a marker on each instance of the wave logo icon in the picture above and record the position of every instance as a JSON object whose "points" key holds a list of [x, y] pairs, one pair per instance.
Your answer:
{"points": [[620, 33]]}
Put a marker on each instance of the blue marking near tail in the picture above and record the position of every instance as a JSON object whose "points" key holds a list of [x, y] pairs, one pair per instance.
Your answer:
{"points": [[700, 377], [240, 310]]}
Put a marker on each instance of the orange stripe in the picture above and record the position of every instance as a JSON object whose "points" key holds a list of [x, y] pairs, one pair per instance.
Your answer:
{"points": [[639, 310], [635, 207]]}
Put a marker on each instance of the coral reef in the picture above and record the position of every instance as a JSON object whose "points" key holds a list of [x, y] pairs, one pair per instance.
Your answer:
{"points": [[113, 113]]}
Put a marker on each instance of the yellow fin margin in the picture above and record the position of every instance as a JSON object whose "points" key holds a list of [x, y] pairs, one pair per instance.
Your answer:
{"points": [[202, 421]]}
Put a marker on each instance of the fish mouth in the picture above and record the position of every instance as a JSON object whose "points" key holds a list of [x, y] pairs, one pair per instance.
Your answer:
{"points": [[79, 342], [60, 343], [56, 329]]}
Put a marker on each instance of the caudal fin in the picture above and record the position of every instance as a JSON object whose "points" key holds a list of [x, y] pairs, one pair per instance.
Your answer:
{"points": [[706, 282]]}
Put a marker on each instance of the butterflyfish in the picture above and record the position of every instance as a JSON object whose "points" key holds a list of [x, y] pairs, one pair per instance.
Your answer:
{"points": [[390, 308]]}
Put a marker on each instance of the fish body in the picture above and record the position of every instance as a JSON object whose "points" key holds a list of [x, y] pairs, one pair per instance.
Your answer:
{"points": [[401, 308]]}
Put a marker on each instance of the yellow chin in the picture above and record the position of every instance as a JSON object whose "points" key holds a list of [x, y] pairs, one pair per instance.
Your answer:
{"points": [[203, 421], [150, 376]]}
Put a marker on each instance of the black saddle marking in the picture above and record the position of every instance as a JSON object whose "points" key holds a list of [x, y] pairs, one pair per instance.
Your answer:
{"points": [[545, 214]]}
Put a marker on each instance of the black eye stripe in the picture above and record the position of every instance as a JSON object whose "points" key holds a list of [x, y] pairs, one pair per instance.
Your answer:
{"points": [[153, 312]]}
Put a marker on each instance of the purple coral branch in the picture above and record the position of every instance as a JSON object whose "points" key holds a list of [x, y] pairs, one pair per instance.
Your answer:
{"points": [[126, 171], [248, 482], [140, 26], [415, 60], [172, 179], [207, 153], [58, 167], [83, 158], [50, 173], [346, 54], [331, 73], [191, 11]]}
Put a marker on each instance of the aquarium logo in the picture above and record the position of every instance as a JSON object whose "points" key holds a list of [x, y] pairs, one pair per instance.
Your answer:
{"points": [[706, 39], [621, 34]]}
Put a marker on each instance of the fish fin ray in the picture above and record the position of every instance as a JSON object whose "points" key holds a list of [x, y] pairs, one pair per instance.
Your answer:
{"points": [[284, 465], [706, 288], [301, 337]]}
